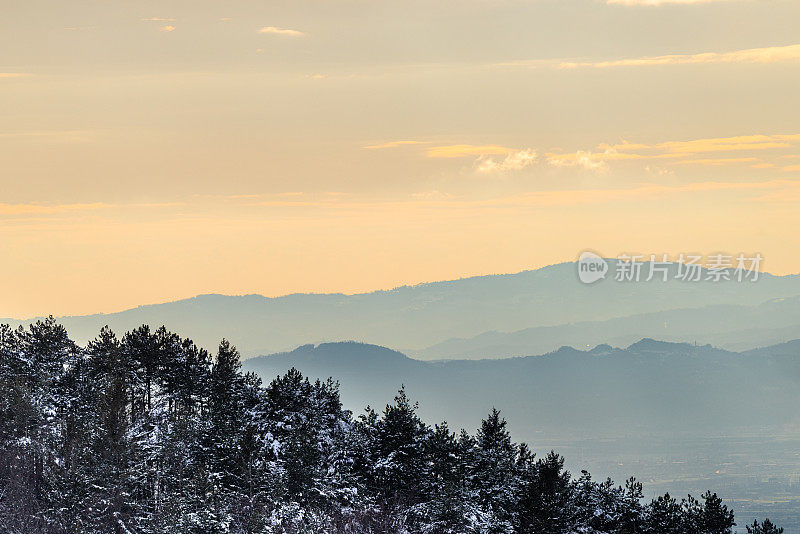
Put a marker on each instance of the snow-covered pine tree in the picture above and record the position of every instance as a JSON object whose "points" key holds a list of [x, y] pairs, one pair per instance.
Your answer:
{"points": [[147, 435]]}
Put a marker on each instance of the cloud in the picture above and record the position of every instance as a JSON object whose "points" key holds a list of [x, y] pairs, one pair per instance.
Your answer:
{"points": [[751, 55], [658, 171], [660, 2], [674, 152], [167, 28], [460, 151], [272, 30], [598, 196], [597, 160], [14, 74], [37, 208], [515, 161], [300, 199], [431, 195], [157, 19], [714, 161], [393, 144], [791, 168], [728, 144], [680, 150], [581, 158], [528, 63], [435, 199]]}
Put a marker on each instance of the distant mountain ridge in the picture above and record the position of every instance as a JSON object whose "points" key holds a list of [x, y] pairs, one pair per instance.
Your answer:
{"points": [[416, 317], [732, 327], [651, 387]]}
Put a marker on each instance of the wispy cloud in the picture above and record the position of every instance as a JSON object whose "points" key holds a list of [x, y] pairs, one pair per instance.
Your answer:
{"points": [[300, 199], [167, 28], [660, 2], [436, 199], [673, 150], [460, 151], [485, 161], [273, 30], [596, 161], [581, 158], [393, 144], [731, 151], [751, 55], [38, 208], [14, 74], [642, 191], [515, 161], [714, 161], [729, 144], [434, 194]]}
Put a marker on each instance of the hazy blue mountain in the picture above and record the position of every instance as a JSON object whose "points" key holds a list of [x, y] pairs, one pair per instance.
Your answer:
{"points": [[650, 388], [414, 317], [726, 326]]}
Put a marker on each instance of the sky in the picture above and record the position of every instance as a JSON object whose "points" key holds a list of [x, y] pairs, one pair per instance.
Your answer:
{"points": [[151, 151]]}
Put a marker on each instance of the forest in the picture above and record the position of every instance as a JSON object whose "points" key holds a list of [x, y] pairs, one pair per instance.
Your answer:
{"points": [[148, 433]]}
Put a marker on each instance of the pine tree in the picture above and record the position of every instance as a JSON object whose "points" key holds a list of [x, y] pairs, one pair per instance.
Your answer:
{"points": [[547, 503], [715, 517], [399, 459], [665, 515], [764, 528], [495, 474], [111, 478], [448, 507], [141, 348], [225, 418]]}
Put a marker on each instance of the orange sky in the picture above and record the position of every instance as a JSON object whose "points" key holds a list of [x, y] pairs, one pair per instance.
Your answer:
{"points": [[155, 151]]}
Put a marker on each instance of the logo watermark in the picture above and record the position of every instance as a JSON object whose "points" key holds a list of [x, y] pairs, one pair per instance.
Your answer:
{"points": [[591, 267], [715, 267]]}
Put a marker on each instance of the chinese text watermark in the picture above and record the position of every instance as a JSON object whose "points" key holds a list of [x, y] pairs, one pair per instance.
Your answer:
{"points": [[715, 267]]}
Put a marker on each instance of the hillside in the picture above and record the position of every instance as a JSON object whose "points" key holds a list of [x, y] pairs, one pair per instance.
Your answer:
{"points": [[650, 387]]}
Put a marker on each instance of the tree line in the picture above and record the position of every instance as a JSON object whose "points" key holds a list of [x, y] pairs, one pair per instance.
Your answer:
{"points": [[148, 433]]}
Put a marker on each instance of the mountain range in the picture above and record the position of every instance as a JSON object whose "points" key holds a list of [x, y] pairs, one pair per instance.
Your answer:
{"points": [[728, 326], [512, 314], [649, 388]]}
